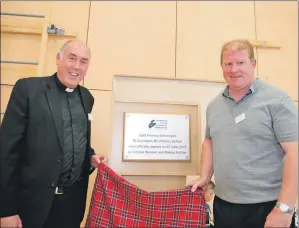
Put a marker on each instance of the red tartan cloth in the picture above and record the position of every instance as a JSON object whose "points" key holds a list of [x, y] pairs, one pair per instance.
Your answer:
{"points": [[117, 203]]}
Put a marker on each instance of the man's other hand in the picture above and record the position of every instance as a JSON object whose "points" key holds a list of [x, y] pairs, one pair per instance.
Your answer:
{"points": [[199, 183], [97, 159], [11, 222]]}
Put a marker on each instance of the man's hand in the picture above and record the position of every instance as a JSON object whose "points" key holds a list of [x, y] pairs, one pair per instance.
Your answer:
{"points": [[11, 222], [278, 219], [199, 183], [97, 159]]}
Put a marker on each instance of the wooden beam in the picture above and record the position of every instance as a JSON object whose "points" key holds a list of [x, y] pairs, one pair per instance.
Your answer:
{"points": [[263, 44], [31, 31], [44, 44]]}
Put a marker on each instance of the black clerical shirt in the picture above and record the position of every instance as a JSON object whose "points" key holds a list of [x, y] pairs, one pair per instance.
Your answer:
{"points": [[74, 134]]}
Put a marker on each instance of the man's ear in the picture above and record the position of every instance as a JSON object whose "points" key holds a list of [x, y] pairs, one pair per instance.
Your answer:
{"points": [[253, 62], [58, 57]]}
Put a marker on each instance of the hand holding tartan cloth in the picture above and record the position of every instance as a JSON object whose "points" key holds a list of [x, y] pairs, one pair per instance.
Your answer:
{"points": [[118, 203]]}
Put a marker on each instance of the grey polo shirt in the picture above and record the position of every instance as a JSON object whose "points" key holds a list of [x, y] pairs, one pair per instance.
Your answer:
{"points": [[247, 156]]}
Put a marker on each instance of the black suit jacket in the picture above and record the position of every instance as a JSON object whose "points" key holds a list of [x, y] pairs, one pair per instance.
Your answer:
{"points": [[31, 147]]}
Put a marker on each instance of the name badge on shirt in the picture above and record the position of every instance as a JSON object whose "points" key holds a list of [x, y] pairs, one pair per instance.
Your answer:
{"points": [[90, 117], [240, 118]]}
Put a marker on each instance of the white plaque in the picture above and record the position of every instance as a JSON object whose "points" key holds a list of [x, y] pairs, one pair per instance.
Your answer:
{"points": [[156, 137]]}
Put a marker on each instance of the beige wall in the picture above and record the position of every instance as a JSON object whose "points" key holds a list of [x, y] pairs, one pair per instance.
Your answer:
{"points": [[202, 28], [131, 38], [275, 22], [169, 49]]}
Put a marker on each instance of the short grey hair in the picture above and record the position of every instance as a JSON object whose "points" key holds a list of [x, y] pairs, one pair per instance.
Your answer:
{"points": [[61, 51]]}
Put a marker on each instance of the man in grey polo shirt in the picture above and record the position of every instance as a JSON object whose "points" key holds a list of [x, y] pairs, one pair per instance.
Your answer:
{"points": [[251, 146]]}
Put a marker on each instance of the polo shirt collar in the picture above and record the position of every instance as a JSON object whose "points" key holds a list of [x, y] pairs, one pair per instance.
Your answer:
{"points": [[252, 88]]}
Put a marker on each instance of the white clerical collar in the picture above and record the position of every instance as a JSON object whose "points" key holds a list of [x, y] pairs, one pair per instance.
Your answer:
{"points": [[69, 90]]}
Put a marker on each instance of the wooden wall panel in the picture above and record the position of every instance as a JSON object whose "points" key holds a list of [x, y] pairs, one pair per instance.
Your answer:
{"points": [[30, 7], [5, 95], [10, 73], [27, 47], [101, 123], [277, 22], [100, 132], [131, 38], [202, 28], [19, 47]]}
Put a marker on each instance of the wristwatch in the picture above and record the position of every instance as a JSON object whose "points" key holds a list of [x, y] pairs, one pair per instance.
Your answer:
{"points": [[284, 208]]}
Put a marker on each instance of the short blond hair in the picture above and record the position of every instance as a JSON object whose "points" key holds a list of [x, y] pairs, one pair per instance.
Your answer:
{"points": [[237, 45]]}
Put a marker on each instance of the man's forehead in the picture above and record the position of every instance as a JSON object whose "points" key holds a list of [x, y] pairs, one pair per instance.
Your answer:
{"points": [[78, 49], [242, 52], [84, 56], [235, 55]]}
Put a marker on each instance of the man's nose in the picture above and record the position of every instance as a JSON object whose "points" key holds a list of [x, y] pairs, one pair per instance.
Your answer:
{"points": [[234, 68], [77, 65]]}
